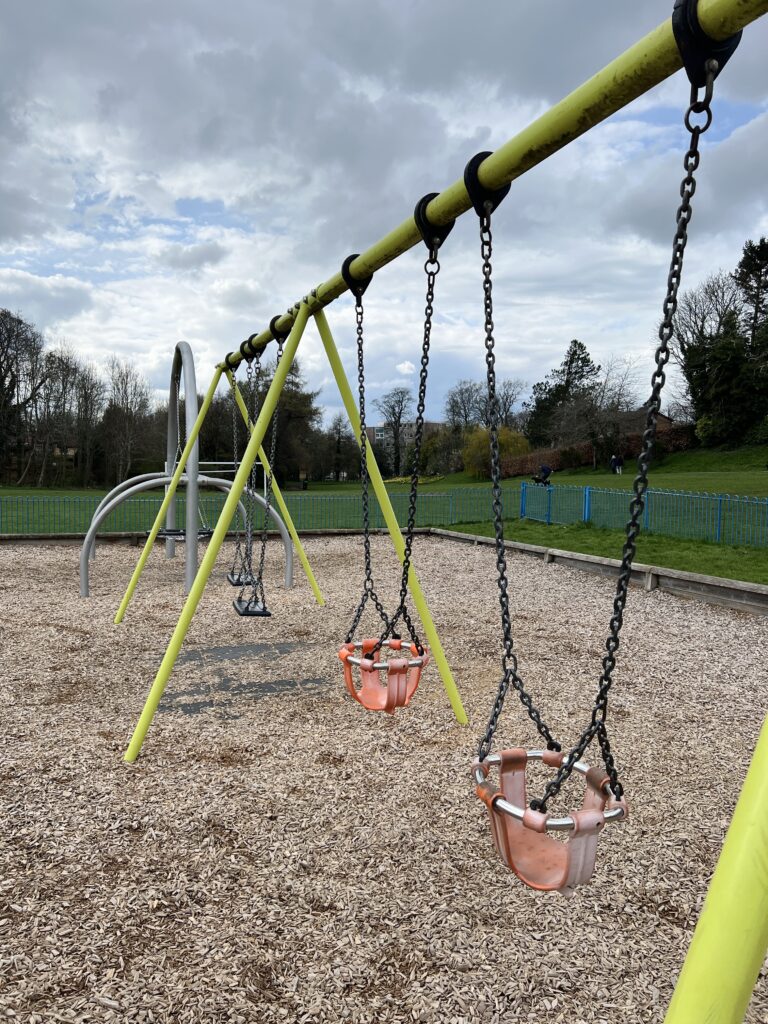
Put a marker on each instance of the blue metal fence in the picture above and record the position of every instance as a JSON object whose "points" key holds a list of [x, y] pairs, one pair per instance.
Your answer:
{"points": [[722, 518]]}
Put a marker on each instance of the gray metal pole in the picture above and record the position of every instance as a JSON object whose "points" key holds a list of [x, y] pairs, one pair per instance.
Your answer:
{"points": [[184, 362]]}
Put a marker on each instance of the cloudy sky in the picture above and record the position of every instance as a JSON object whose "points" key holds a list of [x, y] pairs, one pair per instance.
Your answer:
{"points": [[185, 169]]}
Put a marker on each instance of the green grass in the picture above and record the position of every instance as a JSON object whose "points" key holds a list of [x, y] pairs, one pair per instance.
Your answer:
{"points": [[742, 471], [735, 563]]}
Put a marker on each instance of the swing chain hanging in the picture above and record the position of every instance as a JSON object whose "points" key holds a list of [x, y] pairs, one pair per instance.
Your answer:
{"points": [[484, 207], [268, 488], [238, 558], [253, 377], [596, 726], [433, 236], [357, 287]]}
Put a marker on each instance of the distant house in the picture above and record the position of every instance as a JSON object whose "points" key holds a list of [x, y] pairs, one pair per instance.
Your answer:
{"points": [[382, 434], [633, 422]]}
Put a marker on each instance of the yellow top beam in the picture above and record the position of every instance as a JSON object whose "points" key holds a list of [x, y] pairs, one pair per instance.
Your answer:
{"points": [[638, 69]]}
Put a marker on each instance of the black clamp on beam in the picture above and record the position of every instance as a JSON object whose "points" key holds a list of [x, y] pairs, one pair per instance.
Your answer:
{"points": [[357, 287], [479, 195], [278, 336], [248, 343], [695, 46], [433, 235]]}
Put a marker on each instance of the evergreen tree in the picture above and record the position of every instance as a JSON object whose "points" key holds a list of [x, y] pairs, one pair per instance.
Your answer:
{"points": [[573, 380], [751, 275]]}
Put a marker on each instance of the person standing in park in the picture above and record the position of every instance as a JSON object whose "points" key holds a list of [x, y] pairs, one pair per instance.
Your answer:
{"points": [[619, 464], [614, 464]]}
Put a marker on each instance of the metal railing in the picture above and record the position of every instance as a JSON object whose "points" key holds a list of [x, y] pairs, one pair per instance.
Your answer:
{"points": [[719, 518]]}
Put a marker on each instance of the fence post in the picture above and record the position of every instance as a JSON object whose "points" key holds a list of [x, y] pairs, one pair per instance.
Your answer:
{"points": [[587, 514], [523, 498], [549, 506], [719, 530], [450, 509], [646, 511]]}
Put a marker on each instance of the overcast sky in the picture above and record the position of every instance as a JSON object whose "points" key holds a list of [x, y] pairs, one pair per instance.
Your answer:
{"points": [[189, 169]]}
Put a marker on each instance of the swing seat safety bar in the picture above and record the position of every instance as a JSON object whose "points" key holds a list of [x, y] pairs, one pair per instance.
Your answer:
{"points": [[520, 834], [402, 680]]}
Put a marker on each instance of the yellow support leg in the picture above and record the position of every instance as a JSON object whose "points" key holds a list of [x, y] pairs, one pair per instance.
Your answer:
{"points": [[731, 939], [286, 515], [390, 519], [168, 496], [214, 545]]}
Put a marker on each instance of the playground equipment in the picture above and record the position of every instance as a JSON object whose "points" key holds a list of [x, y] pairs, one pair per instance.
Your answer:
{"points": [[732, 936], [402, 675], [242, 573], [183, 361], [520, 833], [150, 482]]}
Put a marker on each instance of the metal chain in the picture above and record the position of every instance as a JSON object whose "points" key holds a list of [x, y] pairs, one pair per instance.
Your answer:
{"points": [[509, 658], [237, 560], [431, 269], [369, 591], [596, 725], [259, 582], [253, 376]]}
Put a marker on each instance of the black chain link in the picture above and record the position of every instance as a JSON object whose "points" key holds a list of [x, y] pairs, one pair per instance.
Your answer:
{"points": [[431, 269], [253, 374], [369, 590], [238, 558], [596, 726], [509, 658], [258, 592]]}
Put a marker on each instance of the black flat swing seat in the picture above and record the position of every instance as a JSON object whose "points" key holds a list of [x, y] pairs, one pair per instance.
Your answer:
{"points": [[252, 607], [239, 579], [180, 534]]}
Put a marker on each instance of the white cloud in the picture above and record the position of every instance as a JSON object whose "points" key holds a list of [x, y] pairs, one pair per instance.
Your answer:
{"points": [[164, 177]]}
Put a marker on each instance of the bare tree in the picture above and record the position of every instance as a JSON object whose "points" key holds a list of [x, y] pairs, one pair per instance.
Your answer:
{"points": [[598, 414], [462, 403], [21, 378], [90, 397], [395, 407], [344, 450], [127, 408], [508, 393], [55, 406]]}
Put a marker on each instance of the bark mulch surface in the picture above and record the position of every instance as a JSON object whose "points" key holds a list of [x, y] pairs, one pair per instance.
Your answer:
{"points": [[277, 854]]}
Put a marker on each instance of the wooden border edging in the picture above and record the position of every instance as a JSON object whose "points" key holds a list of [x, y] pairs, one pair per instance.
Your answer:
{"points": [[748, 597]]}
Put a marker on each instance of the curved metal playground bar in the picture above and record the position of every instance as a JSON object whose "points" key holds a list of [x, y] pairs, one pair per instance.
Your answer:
{"points": [[149, 481], [731, 938]]}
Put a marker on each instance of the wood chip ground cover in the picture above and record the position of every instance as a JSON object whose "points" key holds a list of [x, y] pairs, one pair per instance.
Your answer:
{"points": [[277, 854]]}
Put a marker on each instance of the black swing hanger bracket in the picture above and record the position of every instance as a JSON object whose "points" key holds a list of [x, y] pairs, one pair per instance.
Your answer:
{"points": [[356, 285], [696, 47], [479, 195], [278, 336], [433, 235]]}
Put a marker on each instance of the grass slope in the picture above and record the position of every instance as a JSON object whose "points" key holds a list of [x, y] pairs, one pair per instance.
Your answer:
{"points": [[742, 471], [748, 564]]}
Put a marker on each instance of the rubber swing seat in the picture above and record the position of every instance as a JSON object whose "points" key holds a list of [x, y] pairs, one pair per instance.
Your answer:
{"points": [[402, 674], [180, 534], [523, 836], [251, 607], [239, 579]]}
